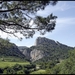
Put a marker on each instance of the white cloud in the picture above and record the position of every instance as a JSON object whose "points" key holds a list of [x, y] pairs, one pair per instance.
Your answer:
{"points": [[65, 21], [3, 35], [10, 36]]}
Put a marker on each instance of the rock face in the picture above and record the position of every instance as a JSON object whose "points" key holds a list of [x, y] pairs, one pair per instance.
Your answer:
{"points": [[46, 49], [26, 51], [32, 55], [43, 40], [36, 54]]}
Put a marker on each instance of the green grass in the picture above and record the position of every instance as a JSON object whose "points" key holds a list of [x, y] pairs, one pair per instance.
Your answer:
{"points": [[11, 58], [10, 64], [39, 72]]}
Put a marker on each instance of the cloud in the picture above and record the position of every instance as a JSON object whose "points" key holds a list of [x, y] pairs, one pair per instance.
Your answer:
{"points": [[65, 21], [10, 36]]}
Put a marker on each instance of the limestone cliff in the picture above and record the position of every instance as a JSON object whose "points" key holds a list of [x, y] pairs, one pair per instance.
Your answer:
{"points": [[36, 54], [46, 49], [43, 40], [26, 51]]}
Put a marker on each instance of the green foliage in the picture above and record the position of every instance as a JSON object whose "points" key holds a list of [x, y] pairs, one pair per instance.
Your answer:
{"points": [[9, 71], [17, 68], [12, 59], [20, 72], [4, 64], [67, 66], [41, 71], [15, 15], [30, 66], [1, 71], [9, 49]]}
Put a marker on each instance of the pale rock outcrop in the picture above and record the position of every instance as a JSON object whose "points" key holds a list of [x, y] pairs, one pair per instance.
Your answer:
{"points": [[36, 54]]}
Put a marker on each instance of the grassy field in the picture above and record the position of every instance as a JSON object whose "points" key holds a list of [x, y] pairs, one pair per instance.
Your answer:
{"points": [[5, 64], [11, 58], [39, 72]]}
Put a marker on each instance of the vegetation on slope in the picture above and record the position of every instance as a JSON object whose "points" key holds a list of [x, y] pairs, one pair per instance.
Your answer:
{"points": [[9, 49], [59, 59], [65, 67], [52, 50]]}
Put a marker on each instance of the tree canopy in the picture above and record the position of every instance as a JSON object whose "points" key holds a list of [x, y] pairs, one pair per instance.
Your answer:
{"points": [[15, 17]]}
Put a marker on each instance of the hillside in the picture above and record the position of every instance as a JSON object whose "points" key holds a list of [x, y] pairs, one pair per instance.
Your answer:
{"points": [[9, 49], [46, 49], [65, 67], [26, 51], [45, 57]]}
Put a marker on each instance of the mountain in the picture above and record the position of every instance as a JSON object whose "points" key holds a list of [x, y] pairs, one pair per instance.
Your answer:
{"points": [[9, 49], [45, 49], [43, 40]]}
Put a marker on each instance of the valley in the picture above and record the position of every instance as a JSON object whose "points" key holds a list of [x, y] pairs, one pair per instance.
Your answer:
{"points": [[43, 58]]}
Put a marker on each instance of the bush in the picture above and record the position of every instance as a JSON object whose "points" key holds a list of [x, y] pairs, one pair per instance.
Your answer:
{"points": [[1, 71], [20, 72], [17, 67], [9, 71]]}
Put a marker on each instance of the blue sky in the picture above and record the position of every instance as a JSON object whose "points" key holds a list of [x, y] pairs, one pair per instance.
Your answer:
{"points": [[65, 25]]}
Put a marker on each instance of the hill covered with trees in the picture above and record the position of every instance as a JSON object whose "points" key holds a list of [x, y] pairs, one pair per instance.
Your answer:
{"points": [[67, 66], [45, 57], [50, 49], [9, 49]]}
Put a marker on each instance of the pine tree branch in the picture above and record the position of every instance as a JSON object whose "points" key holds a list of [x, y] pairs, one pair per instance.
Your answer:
{"points": [[8, 10], [8, 24]]}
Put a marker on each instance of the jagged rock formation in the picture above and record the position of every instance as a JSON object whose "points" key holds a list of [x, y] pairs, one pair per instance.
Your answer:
{"points": [[51, 49], [46, 49], [36, 54], [43, 40], [30, 54], [26, 51]]}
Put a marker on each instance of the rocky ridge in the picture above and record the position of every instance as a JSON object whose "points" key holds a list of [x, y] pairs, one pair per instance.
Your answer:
{"points": [[47, 49]]}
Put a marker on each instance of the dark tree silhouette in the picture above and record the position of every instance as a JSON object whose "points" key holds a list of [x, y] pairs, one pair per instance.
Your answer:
{"points": [[15, 16]]}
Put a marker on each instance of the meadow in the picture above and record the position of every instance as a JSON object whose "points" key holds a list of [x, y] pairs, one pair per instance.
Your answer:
{"points": [[10, 64], [41, 71]]}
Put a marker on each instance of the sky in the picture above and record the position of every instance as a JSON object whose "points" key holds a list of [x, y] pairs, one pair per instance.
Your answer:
{"points": [[64, 31]]}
